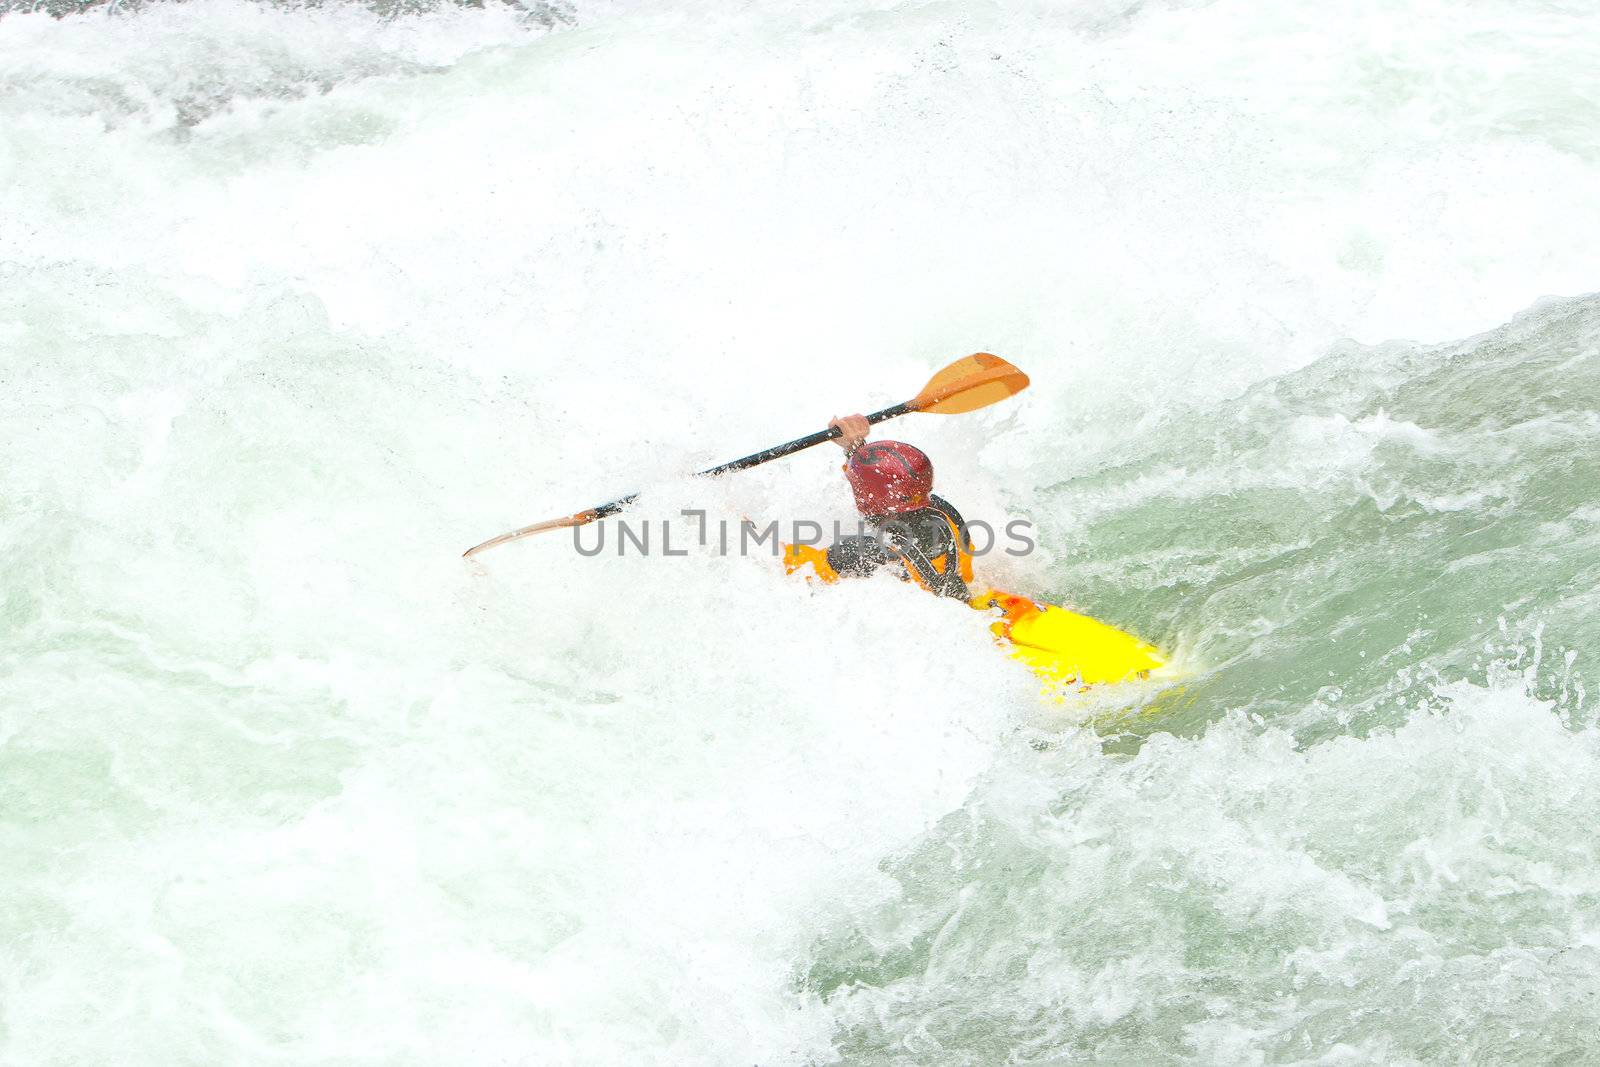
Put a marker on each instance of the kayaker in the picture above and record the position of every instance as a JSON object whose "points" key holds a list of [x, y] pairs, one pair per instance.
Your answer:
{"points": [[915, 533]]}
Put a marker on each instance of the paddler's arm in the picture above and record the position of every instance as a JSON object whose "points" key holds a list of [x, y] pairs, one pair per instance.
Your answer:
{"points": [[847, 557], [853, 430]]}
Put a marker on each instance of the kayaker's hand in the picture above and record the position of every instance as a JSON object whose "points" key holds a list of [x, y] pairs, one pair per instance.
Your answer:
{"points": [[853, 430]]}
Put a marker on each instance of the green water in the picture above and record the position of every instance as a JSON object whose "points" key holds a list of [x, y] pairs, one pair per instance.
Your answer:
{"points": [[1380, 853]]}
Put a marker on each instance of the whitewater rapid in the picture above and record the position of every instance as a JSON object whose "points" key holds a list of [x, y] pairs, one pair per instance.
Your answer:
{"points": [[297, 303]]}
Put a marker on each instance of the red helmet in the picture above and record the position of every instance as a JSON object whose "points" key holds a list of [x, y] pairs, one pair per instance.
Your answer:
{"points": [[889, 477]]}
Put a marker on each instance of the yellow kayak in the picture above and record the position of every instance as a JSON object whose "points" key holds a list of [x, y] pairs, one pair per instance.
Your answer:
{"points": [[1066, 648], [1063, 647]]}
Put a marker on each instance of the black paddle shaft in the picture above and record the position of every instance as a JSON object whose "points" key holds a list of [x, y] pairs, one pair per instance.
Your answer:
{"points": [[755, 459]]}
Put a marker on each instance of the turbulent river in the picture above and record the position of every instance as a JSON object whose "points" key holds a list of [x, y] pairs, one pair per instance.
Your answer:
{"points": [[297, 303]]}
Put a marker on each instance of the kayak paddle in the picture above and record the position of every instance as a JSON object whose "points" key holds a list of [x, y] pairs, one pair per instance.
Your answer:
{"points": [[965, 385]]}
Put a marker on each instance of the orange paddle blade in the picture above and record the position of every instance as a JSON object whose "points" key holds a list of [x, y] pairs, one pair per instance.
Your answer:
{"points": [[968, 384], [579, 519]]}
